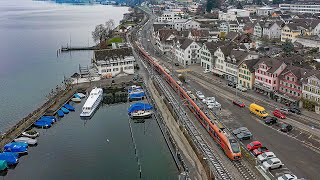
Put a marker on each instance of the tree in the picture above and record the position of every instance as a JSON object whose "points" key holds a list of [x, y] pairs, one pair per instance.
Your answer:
{"points": [[209, 5], [109, 26], [239, 6], [287, 47], [99, 33]]}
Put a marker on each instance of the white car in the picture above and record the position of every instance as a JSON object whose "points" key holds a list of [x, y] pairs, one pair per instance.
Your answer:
{"points": [[214, 105], [208, 99], [206, 71], [200, 95], [272, 164], [27, 140], [287, 177], [265, 156], [243, 89]]}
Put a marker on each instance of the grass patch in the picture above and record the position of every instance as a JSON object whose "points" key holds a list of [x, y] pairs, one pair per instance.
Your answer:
{"points": [[115, 40]]}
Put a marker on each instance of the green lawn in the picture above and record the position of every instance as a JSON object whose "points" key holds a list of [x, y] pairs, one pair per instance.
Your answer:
{"points": [[115, 40]]}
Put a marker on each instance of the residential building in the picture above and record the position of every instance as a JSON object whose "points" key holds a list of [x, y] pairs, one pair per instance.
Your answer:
{"points": [[187, 52], [272, 30], [113, 62], [258, 29], [308, 41], [248, 28], [292, 30], [224, 27], [265, 11], [246, 73], [233, 26], [242, 21], [267, 71], [185, 24], [207, 58], [164, 39], [300, 8], [194, 7], [232, 14], [199, 35], [290, 85], [311, 88], [169, 16]]}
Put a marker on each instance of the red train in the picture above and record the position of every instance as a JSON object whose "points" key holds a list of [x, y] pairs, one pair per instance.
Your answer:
{"points": [[227, 143]]}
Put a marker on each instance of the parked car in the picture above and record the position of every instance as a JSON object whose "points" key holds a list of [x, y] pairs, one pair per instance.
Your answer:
{"points": [[200, 95], [260, 150], [272, 164], [265, 156], [284, 110], [240, 88], [295, 110], [232, 84], [242, 133], [212, 105], [209, 99], [287, 177], [206, 71], [285, 127], [270, 120], [254, 145], [279, 114], [176, 64], [238, 103]]}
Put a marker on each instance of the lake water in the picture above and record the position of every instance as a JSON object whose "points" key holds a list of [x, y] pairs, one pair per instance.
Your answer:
{"points": [[30, 34]]}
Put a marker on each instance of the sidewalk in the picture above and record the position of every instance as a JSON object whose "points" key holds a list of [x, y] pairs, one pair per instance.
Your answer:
{"points": [[198, 69]]}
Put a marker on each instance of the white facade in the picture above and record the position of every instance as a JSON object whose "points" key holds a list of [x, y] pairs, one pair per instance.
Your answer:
{"points": [[185, 24], [113, 67], [258, 30], [189, 55], [220, 64], [224, 27], [272, 32], [311, 89], [265, 11], [308, 41], [168, 16], [300, 8], [206, 58], [232, 14], [193, 8]]}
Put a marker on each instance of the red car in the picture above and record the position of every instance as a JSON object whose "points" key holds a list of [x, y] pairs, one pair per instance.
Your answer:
{"points": [[260, 150], [279, 114], [238, 103], [254, 145]]}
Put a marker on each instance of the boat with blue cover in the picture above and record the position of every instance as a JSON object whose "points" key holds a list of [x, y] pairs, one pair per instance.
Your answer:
{"points": [[135, 89], [77, 96], [16, 147], [3, 165], [42, 124], [47, 120], [69, 107], [60, 113], [136, 96], [65, 110], [140, 110], [11, 158], [50, 117]]}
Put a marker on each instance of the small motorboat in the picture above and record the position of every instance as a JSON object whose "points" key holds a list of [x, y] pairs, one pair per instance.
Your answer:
{"points": [[81, 95], [16, 147], [60, 113], [77, 100], [42, 124], [69, 107], [141, 114], [28, 140], [11, 158], [47, 119], [50, 117], [30, 134], [3, 165], [65, 110], [77, 96]]}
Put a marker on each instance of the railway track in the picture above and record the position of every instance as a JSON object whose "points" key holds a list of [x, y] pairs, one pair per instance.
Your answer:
{"points": [[243, 170]]}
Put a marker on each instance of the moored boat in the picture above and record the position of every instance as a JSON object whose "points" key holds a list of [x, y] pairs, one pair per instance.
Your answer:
{"points": [[135, 90], [69, 107], [3, 165], [10, 157], [16, 147], [81, 95], [42, 124], [60, 113], [77, 100], [50, 117], [141, 114], [27, 140], [77, 96], [30, 134], [140, 110], [92, 102], [64, 110]]}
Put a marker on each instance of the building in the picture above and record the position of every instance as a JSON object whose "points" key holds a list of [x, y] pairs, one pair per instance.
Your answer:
{"points": [[292, 30], [300, 8], [224, 27], [267, 71], [232, 14], [246, 73], [308, 41], [199, 35], [185, 24], [169, 16], [164, 39], [194, 7], [290, 85], [272, 30], [207, 58], [311, 88], [258, 29], [187, 51], [113, 62], [265, 11]]}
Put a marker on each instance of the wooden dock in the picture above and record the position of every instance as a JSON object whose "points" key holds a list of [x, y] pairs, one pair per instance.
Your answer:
{"points": [[80, 48]]}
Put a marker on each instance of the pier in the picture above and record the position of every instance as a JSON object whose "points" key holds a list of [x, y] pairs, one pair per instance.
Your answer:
{"points": [[78, 48]]}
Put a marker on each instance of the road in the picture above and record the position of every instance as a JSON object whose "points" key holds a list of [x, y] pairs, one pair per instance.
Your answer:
{"points": [[297, 156]]}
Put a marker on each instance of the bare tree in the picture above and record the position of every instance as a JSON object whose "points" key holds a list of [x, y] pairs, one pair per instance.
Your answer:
{"points": [[109, 26], [99, 33]]}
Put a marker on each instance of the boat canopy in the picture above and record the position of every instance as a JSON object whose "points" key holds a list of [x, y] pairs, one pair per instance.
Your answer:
{"points": [[69, 107], [3, 165], [137, 95], [77, 96], [139, 106], [14, 147], [10, 158]]}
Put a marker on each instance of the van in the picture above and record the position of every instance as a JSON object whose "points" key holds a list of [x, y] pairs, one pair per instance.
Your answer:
{"points": [[258, 110]]}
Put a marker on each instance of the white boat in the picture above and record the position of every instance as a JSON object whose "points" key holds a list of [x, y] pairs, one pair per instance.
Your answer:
{"points": [[81, 95], [92, 102], [27, 140], [135, 89], [76, 100], [141, 114], [30, 134]]}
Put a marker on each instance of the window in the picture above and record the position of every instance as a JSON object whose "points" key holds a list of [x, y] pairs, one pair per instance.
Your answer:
{"points": [[274, 82]]}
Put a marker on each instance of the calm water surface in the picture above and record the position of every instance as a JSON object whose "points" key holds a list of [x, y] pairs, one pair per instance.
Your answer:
{"points": [[30, 34]]}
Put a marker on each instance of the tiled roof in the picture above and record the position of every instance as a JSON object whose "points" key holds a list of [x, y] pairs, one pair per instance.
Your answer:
{"points": [[270, 62], [238, 55], [243, 20], [105, 54], [186, 43], [165, 33], [250, 63], [200, 33], [213, 46], [157, 26], [232, 35], [298, 72]]}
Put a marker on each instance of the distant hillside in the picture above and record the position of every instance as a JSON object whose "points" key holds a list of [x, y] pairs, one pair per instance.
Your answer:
{"points": [[128, 2]]}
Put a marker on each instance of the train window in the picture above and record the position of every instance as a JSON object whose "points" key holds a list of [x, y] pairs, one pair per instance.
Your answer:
{"points": [[218, 138], [234, 145]]}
